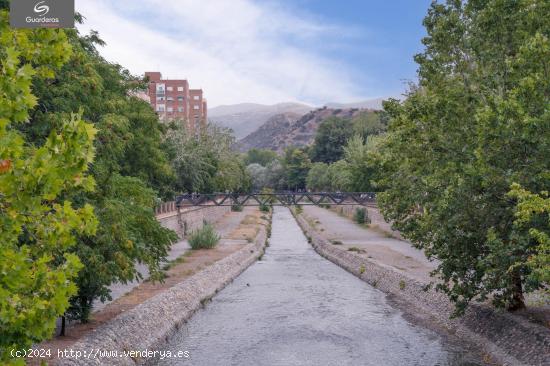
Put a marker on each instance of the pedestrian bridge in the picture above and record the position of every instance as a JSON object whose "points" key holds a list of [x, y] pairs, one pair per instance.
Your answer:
{"points": [[276, 199]]}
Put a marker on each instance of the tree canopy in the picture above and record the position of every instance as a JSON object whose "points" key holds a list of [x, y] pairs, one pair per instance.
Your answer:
{"points": [[477, 122]]}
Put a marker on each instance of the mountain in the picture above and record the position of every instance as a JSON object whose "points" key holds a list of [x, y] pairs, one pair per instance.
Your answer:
{"points": [[245, 118], [291, 129], [365, 104]]}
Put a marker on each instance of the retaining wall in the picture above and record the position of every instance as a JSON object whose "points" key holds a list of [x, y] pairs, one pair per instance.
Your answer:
{"points": [[189, 219], [149, 325], [508, 339]]}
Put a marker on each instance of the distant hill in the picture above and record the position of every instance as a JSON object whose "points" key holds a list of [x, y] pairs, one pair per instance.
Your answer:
{"points": [[245, 118], [291, 129], [365, 104]]}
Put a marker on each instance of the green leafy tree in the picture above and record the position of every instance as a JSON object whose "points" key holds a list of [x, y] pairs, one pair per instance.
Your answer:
{"points": [[369, 123], [37, 222], [259, 156], [332, 135], [533, 216], [477, 122], [130, 168], [296, 165], [318, 177], [363, 162], [339, 177]]}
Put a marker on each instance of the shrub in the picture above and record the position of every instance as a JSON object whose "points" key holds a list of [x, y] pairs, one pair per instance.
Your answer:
{"points": [[299, 209], [236, 208], [204, 238], [360, 215], [264, 208]]}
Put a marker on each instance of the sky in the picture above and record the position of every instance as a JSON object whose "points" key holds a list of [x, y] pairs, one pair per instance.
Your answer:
{"points": [[310, 51]]}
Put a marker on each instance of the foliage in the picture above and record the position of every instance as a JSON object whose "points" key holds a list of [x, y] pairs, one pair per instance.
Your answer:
{"points": [[205, 163], [259, 156], [296, 165], [130, 233], [204, 238], [533, 215], [332, 135], [317, 179], [360, 215], [258, 174], [477, 122], [362, 162], [37, 222], [237, 208], [338, 176], [369, 123]]}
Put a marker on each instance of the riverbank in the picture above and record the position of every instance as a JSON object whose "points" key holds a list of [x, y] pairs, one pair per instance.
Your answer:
{"points": [[135, 320], [395, 268]]}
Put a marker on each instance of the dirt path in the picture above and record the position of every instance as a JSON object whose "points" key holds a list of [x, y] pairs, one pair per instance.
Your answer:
{"points": [[374, 244]]}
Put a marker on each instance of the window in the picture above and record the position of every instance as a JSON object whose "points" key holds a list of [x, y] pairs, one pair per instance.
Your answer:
{"points": [[196, 97], [169, 88], [170, 99], [169, 109], [180, 109], [160, 99], [195, 107], [160, 89], [180, 88], [160, 107], [180, 99]]}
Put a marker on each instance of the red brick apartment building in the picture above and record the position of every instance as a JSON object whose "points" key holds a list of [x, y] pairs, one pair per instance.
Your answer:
{"points": [[172, 99]]}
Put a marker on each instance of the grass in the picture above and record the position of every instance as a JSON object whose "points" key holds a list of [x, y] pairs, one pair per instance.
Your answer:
{"points": [[402, 285], [357, 250], [362, 269], [204, 238], [336, 242], [236, 208]]}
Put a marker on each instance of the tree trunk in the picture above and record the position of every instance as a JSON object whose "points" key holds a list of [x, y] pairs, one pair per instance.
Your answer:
{"points": [[516, 300], [62, 332]]}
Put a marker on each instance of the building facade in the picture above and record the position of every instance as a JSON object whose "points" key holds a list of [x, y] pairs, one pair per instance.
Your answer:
{"points": [[172, 99]]}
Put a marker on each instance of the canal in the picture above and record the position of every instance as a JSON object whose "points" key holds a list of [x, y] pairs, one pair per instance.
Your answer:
{"points": [[294, 307]]}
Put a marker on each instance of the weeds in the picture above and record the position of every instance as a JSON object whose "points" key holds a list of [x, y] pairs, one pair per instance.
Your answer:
{"points": [[204, 238]]}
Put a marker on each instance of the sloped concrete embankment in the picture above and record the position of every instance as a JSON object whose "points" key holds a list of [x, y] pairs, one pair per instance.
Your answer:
{"points": [[149, 325], [507, 339]]}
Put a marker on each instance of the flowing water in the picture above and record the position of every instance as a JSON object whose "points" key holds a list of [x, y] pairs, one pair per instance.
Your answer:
{"points": [[294, 307]]}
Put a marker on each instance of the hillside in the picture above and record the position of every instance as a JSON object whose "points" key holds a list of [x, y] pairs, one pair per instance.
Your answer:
{"points": [[289, 129], [245, 118]]}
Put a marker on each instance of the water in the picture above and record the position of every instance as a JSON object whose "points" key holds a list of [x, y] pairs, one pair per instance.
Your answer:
{"points": [[295, 308]]}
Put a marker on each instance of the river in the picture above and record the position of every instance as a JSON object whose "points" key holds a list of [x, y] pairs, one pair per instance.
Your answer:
{"points": [[294, 307]]}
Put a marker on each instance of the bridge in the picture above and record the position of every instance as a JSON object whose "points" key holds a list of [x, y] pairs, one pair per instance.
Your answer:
{"points": [[276, 199]]}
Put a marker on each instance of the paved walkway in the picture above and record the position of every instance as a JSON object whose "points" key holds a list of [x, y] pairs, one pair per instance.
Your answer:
{"points": [[296, 308], [381, 248], [224, 227]]}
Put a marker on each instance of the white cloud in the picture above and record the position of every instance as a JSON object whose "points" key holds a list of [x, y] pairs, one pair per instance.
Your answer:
{"points": [[237, 51]]}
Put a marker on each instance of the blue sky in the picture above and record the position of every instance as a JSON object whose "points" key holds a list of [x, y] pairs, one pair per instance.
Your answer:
{"points": [[266, 51]]}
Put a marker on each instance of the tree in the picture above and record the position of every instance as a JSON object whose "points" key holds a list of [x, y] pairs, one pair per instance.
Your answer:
{"points": [[259, 156], [318, 177], [369, 123], [476, 123], [296, 165], [37, 222], [362, 165], [130, 167], [258, 174], [331, 137], [339, 178]]}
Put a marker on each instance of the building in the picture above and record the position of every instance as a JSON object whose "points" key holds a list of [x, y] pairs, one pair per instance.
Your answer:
{"points": [[172, 99]]}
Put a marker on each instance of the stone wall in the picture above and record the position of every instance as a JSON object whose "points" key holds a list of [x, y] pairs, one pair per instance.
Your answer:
{"points": [[508, 339], [189, 219]]}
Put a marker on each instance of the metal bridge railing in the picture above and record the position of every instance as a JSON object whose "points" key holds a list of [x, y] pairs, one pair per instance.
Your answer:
{"points": [[277, 199]]}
